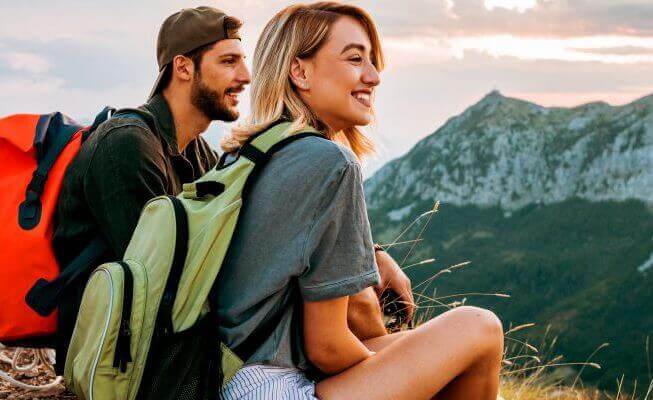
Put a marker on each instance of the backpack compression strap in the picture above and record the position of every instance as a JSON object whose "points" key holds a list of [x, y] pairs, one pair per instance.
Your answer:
{"points": [[53, 133]]}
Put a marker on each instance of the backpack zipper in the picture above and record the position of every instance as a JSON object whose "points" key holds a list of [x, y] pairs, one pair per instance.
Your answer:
{"points": [[122, 355]]}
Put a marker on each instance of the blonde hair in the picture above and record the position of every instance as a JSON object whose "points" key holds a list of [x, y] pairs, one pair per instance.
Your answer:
{"points": [[298, 31]]}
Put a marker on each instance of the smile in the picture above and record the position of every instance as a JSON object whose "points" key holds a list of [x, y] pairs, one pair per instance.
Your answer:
{"points": [[233, 96], [363, 98]]}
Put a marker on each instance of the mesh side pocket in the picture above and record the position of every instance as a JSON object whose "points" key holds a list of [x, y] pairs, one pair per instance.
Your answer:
{"points": [[182, 366]]}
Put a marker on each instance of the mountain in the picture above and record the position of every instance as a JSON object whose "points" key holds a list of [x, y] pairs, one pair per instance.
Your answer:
{"points": [[553, 206]]}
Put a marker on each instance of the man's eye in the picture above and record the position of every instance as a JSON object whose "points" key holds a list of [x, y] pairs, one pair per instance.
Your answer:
{"points": [[229, 61]]}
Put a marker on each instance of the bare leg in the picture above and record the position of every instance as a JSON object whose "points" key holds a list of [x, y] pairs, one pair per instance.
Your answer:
{"points": [[381, 342], [462, 385], [456, 355]]}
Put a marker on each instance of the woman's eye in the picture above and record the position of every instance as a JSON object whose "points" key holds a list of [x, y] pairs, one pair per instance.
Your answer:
{"points": [[356, 59]]}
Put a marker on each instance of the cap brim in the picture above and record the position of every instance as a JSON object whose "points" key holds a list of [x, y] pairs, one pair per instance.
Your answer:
{"points": [[157, 83]]}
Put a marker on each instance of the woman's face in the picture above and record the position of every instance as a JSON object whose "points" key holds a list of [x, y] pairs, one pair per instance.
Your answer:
{"points": [[339, 80]]}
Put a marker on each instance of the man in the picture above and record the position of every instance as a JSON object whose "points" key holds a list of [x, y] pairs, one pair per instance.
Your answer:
{"points": [[153, 149], [131, 159]]}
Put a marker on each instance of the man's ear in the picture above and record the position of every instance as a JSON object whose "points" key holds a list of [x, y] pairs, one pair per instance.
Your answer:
{"points": [[298, 74], [183, 68]]}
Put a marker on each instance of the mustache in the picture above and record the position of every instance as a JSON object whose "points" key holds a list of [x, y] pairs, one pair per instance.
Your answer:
{"points": [[235, 89]]}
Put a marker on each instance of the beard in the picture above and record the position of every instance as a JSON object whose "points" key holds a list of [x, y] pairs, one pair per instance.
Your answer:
{"points": [[211, 103]]}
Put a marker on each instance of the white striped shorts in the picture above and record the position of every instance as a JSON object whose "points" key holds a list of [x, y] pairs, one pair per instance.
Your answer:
{"points": [[265, 382]]}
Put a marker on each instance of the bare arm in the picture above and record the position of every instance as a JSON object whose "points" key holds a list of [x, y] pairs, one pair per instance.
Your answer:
{"points": [[330, 345], [364, 315]]}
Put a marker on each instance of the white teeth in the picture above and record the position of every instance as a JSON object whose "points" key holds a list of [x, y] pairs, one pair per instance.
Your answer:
{"points": [[362, 96]]}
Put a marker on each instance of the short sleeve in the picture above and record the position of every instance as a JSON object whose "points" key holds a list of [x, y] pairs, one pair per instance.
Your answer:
{"points": [[339, 253]]}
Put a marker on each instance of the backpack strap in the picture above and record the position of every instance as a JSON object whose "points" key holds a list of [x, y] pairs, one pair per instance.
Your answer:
{"points": [[138, 114], [259, 149], [44, 296], [164, 316], [53, 133]]}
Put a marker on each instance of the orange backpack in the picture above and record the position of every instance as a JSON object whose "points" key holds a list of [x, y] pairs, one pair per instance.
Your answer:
{"points": [[35, 151]]}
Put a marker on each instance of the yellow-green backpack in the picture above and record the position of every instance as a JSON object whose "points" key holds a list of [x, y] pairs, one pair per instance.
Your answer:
{"points": [[144, 328]]}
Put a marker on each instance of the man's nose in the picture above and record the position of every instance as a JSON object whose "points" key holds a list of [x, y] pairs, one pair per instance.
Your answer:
{"points": [[244, 76]]}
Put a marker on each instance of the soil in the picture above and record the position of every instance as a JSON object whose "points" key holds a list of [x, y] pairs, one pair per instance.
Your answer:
{"points": [[40, 375]]}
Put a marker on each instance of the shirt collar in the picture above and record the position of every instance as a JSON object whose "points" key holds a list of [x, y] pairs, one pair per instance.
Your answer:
{"points": [[158, 107]]}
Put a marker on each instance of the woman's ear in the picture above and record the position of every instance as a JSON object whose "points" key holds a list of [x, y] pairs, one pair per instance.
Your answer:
{"points": [[298, 74]]}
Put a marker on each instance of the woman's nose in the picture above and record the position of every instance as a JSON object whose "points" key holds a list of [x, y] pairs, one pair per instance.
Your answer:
{"points": [[371, 75]]}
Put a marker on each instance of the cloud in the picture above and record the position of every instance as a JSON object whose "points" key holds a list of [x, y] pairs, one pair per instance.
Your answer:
{"points": [[536, 18], [567, 49], [618, 51], [443, 55], [28, 62], [519, 5]]}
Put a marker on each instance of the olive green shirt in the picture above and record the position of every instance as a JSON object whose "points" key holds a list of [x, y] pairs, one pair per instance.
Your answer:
{"points": [[119, 168]]}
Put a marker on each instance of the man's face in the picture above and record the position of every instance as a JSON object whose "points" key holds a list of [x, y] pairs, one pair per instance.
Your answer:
{"points": [[220, 77]]}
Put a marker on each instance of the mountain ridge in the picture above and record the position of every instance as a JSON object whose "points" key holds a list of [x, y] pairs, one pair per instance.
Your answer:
{"points": [[551, 153]]}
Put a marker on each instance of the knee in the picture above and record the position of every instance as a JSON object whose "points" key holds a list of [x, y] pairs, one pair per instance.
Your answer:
{"points": [[486, 321], [482, 326]]}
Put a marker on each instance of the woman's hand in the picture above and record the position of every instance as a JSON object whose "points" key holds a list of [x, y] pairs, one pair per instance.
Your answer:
{"points": [[394, 278]]}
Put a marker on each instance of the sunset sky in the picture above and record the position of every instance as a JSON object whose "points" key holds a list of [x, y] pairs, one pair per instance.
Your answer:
{"points": [[442, 56]]}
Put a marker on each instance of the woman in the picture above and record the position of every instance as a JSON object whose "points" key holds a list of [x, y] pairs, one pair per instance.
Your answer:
{"points": [[303, 245]]}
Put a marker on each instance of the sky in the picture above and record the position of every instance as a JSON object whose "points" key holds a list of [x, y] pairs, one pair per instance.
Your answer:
{"points": [[442, 56]]}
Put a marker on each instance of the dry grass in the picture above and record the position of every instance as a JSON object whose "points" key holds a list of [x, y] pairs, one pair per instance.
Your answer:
{"points": [[530, 371]]}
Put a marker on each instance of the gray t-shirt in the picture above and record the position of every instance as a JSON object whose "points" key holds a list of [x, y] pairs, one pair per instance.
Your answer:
{"points": [[303, 234]]}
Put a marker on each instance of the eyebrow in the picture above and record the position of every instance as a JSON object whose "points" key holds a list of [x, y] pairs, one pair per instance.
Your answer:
{"points": [[238, 55], [353, 46]]}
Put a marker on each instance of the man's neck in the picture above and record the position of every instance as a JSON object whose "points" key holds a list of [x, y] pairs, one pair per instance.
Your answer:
{"points": [[189, 121]]}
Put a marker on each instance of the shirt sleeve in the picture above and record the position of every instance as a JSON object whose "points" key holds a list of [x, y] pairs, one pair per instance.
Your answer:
{"points": [[339, 252], [126, 171]]}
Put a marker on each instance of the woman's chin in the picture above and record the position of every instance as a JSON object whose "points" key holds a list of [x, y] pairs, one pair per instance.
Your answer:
{"points": [[361, 119]]}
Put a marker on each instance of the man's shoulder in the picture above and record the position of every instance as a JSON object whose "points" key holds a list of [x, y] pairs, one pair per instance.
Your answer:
{"points": [[121, 129], [124, 137]]}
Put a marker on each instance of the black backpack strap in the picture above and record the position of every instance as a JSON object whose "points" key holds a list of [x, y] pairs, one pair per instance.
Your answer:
{"points": [[138, 114], [44, 296], [102, 116], [53, 133], [247, 348], [164, 316]]}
